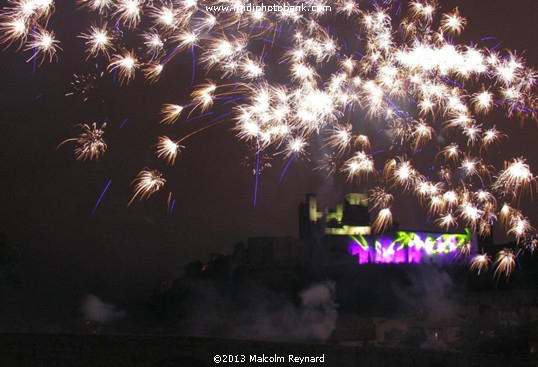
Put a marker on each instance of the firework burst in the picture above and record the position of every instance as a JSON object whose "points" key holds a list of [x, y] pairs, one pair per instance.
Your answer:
{"points": [[146, 184], [168, 149], [505, 262], [423, 99], [480, 263], [89, 144]]}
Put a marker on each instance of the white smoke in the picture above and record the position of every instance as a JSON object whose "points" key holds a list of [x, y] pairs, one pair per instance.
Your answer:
{"points": [[318, 313], [94, 309], [314, 320], [266, 316], [431, 293]]}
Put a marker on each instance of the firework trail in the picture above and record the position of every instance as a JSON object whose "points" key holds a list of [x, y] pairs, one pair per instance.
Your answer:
{"points": [[101, 196], [358, 75], [257, 173]]}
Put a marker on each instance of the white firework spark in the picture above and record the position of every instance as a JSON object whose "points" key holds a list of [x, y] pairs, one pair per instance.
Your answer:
{"points": [[415, 91], [146, 184]]}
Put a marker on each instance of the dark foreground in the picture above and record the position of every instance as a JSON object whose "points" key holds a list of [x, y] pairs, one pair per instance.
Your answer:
{"points": [[59, 350]]}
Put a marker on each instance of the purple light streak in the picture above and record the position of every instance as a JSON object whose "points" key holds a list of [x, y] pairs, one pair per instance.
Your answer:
{"points": [[257, 174], [101, 197], [286, 168]]}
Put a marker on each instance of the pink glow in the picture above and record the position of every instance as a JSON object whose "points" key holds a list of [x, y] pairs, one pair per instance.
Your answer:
{"points": [[406, 247]]}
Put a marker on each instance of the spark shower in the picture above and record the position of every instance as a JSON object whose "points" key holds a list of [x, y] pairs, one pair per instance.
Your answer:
{"points": [[397, 101]]}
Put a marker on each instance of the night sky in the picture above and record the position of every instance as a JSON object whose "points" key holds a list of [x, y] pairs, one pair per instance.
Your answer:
{"points": [[47, 197]]}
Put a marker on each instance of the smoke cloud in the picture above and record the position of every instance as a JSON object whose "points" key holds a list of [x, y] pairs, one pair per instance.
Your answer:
{"points": [[431, 294], [265, 315], [318, 312], [94, 309]]}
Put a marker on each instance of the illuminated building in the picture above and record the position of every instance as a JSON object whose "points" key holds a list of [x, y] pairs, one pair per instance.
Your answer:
{"points": [[334, 235]]}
